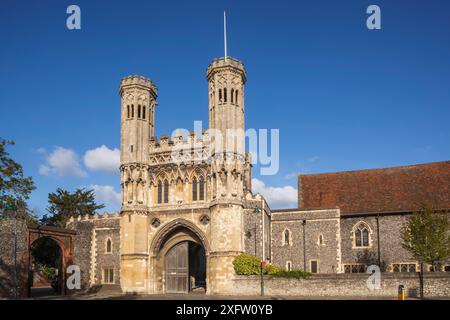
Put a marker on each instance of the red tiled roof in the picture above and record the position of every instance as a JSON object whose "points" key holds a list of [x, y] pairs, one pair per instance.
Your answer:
{"points": [[403, 188]]}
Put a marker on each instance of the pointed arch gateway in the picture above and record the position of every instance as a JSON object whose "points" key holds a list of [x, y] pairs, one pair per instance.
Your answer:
{"points": [[179, 258]]}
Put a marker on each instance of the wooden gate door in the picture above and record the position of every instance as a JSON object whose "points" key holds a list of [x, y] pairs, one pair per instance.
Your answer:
{"points": [[177, 268]]}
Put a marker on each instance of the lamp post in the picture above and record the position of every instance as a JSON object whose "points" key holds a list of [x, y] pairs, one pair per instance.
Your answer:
{"points": [[421, 276], [257, 211]]}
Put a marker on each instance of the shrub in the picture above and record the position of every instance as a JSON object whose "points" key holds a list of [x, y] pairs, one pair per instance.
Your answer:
{"points": [[271, 269], [298, 274], [245, 264]]}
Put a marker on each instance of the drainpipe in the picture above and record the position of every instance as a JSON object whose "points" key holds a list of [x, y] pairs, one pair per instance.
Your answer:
{"points": [[378, 239], [304, 245]]}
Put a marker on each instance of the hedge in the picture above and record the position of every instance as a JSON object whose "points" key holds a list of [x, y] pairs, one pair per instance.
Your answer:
{"points": [[247, 265]]}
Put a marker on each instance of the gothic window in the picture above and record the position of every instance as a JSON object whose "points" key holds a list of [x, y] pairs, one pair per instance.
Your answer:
{"points": [[160, 192], [132, 110], [225, 95], [131, 148], [236, 98], [404, 267], [166, 191], [108, 248], [139, 111], [143, 112], [286, 238], [232, 95], [128, 111], [201, 189], [220, 95], [355, 268], [361, 235], [194, 189], [108, 276]]}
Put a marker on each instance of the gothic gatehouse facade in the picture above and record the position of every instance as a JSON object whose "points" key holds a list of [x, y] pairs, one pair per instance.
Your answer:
{"points": [[188, 209]]}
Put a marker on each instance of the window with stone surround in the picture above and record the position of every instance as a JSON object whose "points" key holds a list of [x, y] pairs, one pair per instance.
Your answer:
{"points": [[194, 189], [404, 267], [361, 235], [128, 111], [139, 111], [286, 237], [288, 265], [159, 191], [220, 96], [143, 112], [320, 241], [108, 246], [166, 191], [108, 275], [314, 266], [201, 189], [236, 97], [132, 110], [198, 188], [232, 96]]}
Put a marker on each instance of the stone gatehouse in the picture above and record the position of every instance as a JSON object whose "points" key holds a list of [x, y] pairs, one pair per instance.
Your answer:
{"points": [[188, 209]]}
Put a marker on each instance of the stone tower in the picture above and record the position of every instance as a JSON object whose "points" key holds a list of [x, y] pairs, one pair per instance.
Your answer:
{"points": [[138, 100], [226, 79]]}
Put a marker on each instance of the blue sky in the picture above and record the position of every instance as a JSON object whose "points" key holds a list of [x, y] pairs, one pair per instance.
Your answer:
{"points": [[344, 97]]}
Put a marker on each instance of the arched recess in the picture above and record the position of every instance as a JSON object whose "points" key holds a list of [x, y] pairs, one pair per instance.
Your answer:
{"points": [[65, 238], [170, 235]]}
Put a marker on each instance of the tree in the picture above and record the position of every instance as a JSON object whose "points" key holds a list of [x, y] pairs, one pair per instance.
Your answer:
{"points": [[427, 235], [63, 205], [15, 188]]}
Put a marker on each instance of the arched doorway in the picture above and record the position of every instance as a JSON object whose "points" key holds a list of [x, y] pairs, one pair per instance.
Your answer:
{"points": [[179, 259], [62, 243], [46, 268], [185, 268]]}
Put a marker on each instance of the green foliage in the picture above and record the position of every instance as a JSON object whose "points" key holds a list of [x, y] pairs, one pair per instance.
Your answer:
{"points": [[245, 264], [63, 205], [427, 235], [248, 265], [298, 274], [271, 269], [15, 188], [48, 272]]}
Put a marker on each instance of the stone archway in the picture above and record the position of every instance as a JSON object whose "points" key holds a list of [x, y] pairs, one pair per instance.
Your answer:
{"points": [[64, 238], [182, 250]]}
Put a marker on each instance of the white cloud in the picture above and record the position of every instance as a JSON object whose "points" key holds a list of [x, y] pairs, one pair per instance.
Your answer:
{"points": [[107, 195], [102, 159], [277, 197], [44, 170], [62, 162]]}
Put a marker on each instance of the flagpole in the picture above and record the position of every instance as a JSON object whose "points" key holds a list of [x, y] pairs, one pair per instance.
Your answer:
{"points": [[225, 33]]}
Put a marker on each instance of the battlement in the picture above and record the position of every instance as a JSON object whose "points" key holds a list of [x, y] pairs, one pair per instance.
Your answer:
{"points": [[164, 143], [220, 63], [136, 80], [95, 217]]}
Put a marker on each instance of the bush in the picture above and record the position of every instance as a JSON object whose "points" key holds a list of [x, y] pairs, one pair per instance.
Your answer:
{"points": [[298, 274], [247, 265], [271, 269]]}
